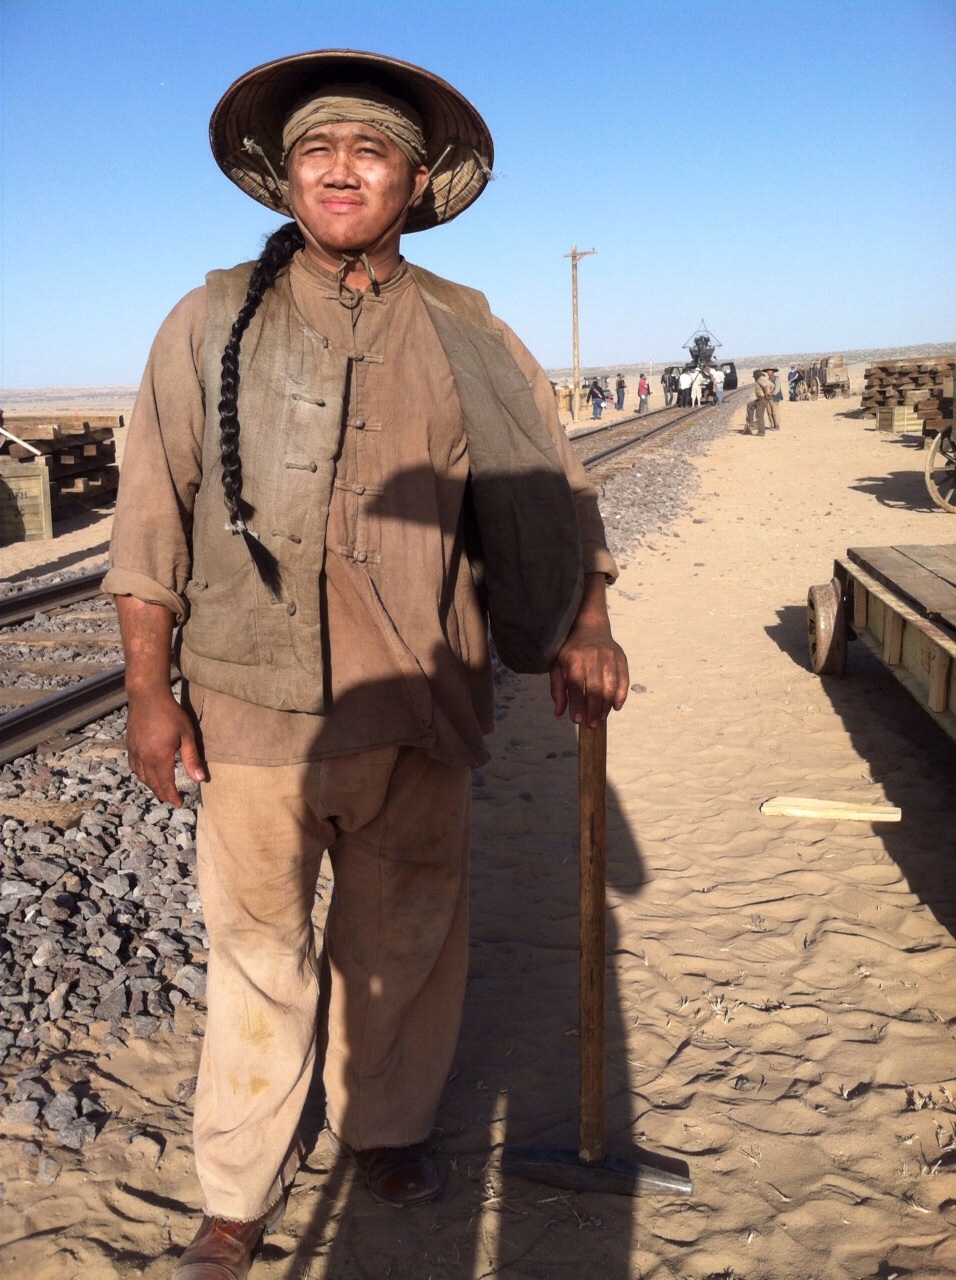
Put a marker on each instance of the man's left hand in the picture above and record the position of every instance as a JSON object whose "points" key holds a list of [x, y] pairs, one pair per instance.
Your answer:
{"points": [[590, 676]]}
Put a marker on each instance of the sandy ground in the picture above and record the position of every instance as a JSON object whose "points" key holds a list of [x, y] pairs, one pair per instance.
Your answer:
{"points": [[781, 994]]}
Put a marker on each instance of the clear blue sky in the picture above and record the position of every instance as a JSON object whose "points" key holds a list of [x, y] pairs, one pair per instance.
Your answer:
{"points": [[785, 170]]}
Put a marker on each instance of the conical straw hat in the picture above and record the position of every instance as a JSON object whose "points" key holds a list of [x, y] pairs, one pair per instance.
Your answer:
{"points": [[257, 105]]}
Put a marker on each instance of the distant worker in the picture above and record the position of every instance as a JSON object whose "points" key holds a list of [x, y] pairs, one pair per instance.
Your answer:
{"points": [[669, 387], [683, 389], [696, 386], [717, 380], [596, 396], [760, 410], [643, 391], [776, 394], [620, 387], [793, 377]]}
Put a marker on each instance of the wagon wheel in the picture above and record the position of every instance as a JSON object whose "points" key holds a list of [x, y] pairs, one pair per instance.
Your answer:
{"points": [[829, 393], [814, 388], [826, 629], [940, 470], [845, 389]]}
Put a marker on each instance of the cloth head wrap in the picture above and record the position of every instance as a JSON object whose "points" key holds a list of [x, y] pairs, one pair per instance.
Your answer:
{"points": [[340, 104]]}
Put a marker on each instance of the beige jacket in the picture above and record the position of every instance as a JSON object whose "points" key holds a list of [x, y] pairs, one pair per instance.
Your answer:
{"points": [[241, 639]]}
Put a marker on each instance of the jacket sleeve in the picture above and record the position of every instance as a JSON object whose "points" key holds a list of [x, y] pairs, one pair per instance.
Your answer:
{"points": [[161, 466], [596, 557]]}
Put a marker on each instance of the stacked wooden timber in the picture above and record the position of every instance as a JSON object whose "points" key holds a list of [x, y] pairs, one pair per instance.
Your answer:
{"points": [[77, 453], [916, 390]]}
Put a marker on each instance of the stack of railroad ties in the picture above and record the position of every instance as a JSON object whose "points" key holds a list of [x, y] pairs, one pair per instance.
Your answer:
{"points": [[52, 465], [902, 394]]}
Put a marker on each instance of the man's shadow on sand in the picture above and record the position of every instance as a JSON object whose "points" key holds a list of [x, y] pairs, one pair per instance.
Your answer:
{"points": [[515, 1078], [889, 730]]}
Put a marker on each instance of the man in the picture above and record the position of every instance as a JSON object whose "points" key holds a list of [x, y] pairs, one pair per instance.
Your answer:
{"points": [[716, 375], [643, 391], [683, 388], [596, 397], [667, 386], [620, 386], [336, 464], [760, 408]]}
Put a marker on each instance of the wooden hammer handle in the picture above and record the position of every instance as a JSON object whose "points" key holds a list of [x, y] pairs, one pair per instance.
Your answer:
{"points": [[592, 812]]}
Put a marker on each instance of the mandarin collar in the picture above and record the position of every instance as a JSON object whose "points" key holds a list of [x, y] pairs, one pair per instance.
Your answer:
{"points": [[301, 262]]}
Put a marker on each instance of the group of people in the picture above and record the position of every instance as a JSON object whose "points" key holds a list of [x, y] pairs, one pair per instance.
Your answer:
{"points": [[762, 409], [684, 387], [599, 395], [693, 385]]}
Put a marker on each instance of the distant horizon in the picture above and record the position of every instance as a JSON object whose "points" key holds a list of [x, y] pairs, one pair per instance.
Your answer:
{"points": [[852, 356]]}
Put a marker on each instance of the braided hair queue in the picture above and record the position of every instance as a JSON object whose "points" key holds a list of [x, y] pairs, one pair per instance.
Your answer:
{"points": [[276, 254]]}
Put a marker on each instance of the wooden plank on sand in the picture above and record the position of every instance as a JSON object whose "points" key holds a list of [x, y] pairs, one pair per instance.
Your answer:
{"points": [[841, 810]]}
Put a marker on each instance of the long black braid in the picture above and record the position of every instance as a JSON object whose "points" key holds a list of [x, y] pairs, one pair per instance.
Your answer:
{"points": [[276, 253]]}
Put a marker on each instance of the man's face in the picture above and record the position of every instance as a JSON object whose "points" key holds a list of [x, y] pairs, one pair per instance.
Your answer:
{"points": [[348, 183]]}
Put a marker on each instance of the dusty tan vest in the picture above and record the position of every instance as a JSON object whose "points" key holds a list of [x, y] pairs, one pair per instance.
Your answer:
{"points": [[241, 640]]}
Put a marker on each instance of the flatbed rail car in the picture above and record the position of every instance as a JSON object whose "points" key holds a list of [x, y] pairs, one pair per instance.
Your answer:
{"points": [[901, 602]]}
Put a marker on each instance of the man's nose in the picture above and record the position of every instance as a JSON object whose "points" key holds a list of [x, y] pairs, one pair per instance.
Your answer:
{"points": [[341, 171]]}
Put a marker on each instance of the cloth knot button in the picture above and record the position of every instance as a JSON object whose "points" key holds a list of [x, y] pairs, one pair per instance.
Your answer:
{"points": [[358, 424], [360, 488], [361, 556]]}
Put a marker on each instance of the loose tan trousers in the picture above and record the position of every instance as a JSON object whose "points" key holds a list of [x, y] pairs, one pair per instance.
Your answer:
{"points": [[396, 826]]}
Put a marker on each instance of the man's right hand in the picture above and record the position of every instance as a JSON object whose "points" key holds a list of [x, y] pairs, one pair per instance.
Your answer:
{"points": [[157, 728]]}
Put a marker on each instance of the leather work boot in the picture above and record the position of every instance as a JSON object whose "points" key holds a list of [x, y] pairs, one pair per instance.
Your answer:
{"points": [[223, 1250], [398, 1176]]}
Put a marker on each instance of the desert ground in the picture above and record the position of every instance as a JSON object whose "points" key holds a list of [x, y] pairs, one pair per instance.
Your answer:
{"points": [[781, 991]]}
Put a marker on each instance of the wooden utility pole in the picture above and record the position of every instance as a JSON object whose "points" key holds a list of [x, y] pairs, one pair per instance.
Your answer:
{"points": [[575, 255]]}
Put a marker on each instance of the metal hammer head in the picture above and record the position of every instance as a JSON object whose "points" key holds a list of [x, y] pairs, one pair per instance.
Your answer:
{"points": [[610, 1175]]}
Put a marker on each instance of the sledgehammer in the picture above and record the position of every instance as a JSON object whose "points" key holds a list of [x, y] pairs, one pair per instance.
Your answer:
{"points": [[590, 1168]]}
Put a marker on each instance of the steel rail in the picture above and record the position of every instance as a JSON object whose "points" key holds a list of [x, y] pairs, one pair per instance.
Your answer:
{"points": [[594, 458], [584, 432], [24, 729], [22, 605]]}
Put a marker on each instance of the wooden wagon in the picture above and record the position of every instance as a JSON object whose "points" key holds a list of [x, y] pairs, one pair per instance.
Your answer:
{"points": [[940, 470], [901, 603], [834, 377]]}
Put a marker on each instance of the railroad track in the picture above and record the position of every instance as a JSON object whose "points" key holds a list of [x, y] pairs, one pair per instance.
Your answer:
{"points": [[97, 688], [621, 436], [70, 644]]}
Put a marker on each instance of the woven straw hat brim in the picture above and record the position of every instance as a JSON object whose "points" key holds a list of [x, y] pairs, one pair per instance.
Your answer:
{"points": [[258, 103]]}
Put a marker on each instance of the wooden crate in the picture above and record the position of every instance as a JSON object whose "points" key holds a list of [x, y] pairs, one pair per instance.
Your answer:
{"points": [[25, 511], [901, 418]]}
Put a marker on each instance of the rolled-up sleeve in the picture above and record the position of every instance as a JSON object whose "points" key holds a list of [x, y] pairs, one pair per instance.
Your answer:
{"points": [[595, 555], [150, 553]]}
